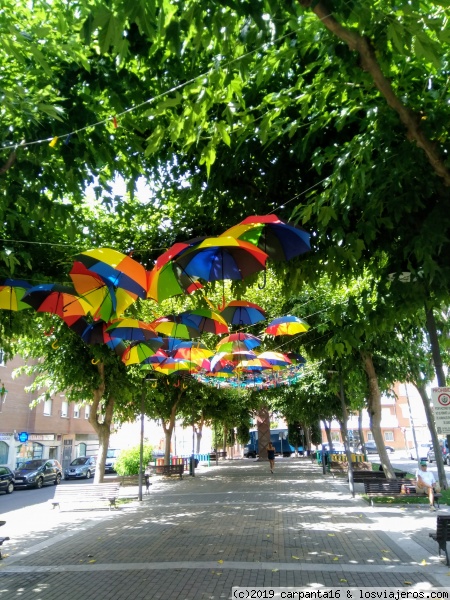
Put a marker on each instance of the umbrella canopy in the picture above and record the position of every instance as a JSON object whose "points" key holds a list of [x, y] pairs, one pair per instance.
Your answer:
{"points": [[224, 257], [205, 320], [116, 269], [175, 251], [254, 364], [96, 333], [168, 281], [57, 299], [288, 325], [240, 312], [280, 240], [275, 358], [238, 341], [172, 366], [171, 325], [11, 293], [138, 352], [132, 330], [193, 354]]}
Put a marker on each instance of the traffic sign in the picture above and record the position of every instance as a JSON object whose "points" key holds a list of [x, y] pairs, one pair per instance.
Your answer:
{"points": [[440, 398], [23, 436]]}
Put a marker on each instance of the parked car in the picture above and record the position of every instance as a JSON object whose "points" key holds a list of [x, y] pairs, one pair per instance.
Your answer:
{"points": [[6, 480], [445, 455], [110, 463], [338, 447], [83, 466], [38, 471], [371, 448], [423, 451]]}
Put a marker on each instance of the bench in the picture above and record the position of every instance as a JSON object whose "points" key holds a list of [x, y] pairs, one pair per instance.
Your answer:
{"points": [[216, 455], [168, 469], [2, 539], [374, 487], [93, 495], [442, 535], [361, 476]]}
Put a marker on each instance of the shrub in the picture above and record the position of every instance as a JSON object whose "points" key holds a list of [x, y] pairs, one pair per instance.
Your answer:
{"points": [[127, 462]]}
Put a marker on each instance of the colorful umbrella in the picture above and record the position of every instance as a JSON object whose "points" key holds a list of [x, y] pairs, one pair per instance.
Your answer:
{"points": [[240, 341], [240, 312], [216, 259], [11, 293], [255, 364], [57, 299], [193, 354], [280, 240], [96, 333], [275, 358], [172, 366], [116, 269], [138, 352], [205, 320], [171, 325], [288, 325], [132, 330], [170, 281], [176, 250]]}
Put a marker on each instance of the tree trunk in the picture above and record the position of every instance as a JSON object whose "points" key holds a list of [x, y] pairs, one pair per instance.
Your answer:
{"points": [[327, 427], [360, 427], [374, 409], [168, 429], [369, 63], [345, 434], [101, 422], [199, 433], [263, 424], [437, 448], [435, 348]]}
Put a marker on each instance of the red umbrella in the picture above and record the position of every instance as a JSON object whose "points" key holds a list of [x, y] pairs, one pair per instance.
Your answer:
{"points": [[57, 299]]}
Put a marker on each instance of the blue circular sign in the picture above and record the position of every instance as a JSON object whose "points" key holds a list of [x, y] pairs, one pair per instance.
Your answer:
{"points": [[23, 436]]}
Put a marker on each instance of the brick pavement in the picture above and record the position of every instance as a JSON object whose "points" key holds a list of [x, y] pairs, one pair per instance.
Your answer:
{"points": [[233, 524]]}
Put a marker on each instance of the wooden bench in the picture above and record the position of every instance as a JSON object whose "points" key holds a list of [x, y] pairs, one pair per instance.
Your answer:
{"points": [[216, 455], [361, 476], [391, 487], [94, 495], [168, 469], [2, 539], [442, 535]]}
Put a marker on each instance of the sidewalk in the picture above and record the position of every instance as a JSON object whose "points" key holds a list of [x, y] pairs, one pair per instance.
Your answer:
{"points": [[234, 524]]}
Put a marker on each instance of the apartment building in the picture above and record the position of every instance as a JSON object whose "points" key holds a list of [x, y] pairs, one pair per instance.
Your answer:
{"points": [[52, 429]]}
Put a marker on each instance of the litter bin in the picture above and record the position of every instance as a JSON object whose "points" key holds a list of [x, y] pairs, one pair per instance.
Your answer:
{"points": [[193, 463]]}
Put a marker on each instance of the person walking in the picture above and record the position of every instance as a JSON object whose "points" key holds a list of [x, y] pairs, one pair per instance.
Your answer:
{"points": [[271, 456], [426, 483]]}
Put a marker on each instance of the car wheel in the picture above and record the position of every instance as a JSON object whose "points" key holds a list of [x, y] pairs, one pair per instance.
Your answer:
{"points": [[57, 479], [39, 483], [10, 488], [88, 474]]}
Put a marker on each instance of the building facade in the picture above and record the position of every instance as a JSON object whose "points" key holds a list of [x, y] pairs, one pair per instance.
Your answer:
{"points": [[51, 429]]}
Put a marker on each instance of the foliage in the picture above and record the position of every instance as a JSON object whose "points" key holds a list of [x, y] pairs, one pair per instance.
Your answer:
{"points": [[128, 461]]}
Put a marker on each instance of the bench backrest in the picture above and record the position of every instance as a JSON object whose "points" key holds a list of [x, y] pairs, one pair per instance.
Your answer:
{"points": [[384, 486], [443, 528], [99, 490]]}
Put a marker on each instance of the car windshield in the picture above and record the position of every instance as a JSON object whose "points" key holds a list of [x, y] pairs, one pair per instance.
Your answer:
{"points": [[79, 461], [32, 465], [111, 454]]}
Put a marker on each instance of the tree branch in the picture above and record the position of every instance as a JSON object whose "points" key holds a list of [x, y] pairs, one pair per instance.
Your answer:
{"points": [[369, 63]]}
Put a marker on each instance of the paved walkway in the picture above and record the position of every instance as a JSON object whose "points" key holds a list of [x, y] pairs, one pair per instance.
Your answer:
{"points": [[234, 524]]}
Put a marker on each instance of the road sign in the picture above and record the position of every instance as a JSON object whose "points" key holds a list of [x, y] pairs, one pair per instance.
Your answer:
{"points": [[23, 436], [440, 398]]}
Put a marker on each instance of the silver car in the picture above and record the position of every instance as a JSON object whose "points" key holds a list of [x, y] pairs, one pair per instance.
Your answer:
{"points": [[83, 466]]}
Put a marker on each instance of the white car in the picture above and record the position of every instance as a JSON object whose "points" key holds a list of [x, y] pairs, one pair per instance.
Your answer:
{"points": [[423, 451], [337, 447]]}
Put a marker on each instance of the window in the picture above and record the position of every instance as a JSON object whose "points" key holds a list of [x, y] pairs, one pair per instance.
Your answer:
{"points": [[4, 451], [388, 436], [81, 449], [87, 411], [48, 407], [76, 411], [370, 437], [64, 409]]}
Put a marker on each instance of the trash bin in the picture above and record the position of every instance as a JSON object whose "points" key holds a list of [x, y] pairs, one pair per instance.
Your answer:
{"points": [[193, 462]]}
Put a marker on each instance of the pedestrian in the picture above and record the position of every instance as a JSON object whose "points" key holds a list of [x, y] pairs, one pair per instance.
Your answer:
{"points": [[271, 456], [426, 483]]}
